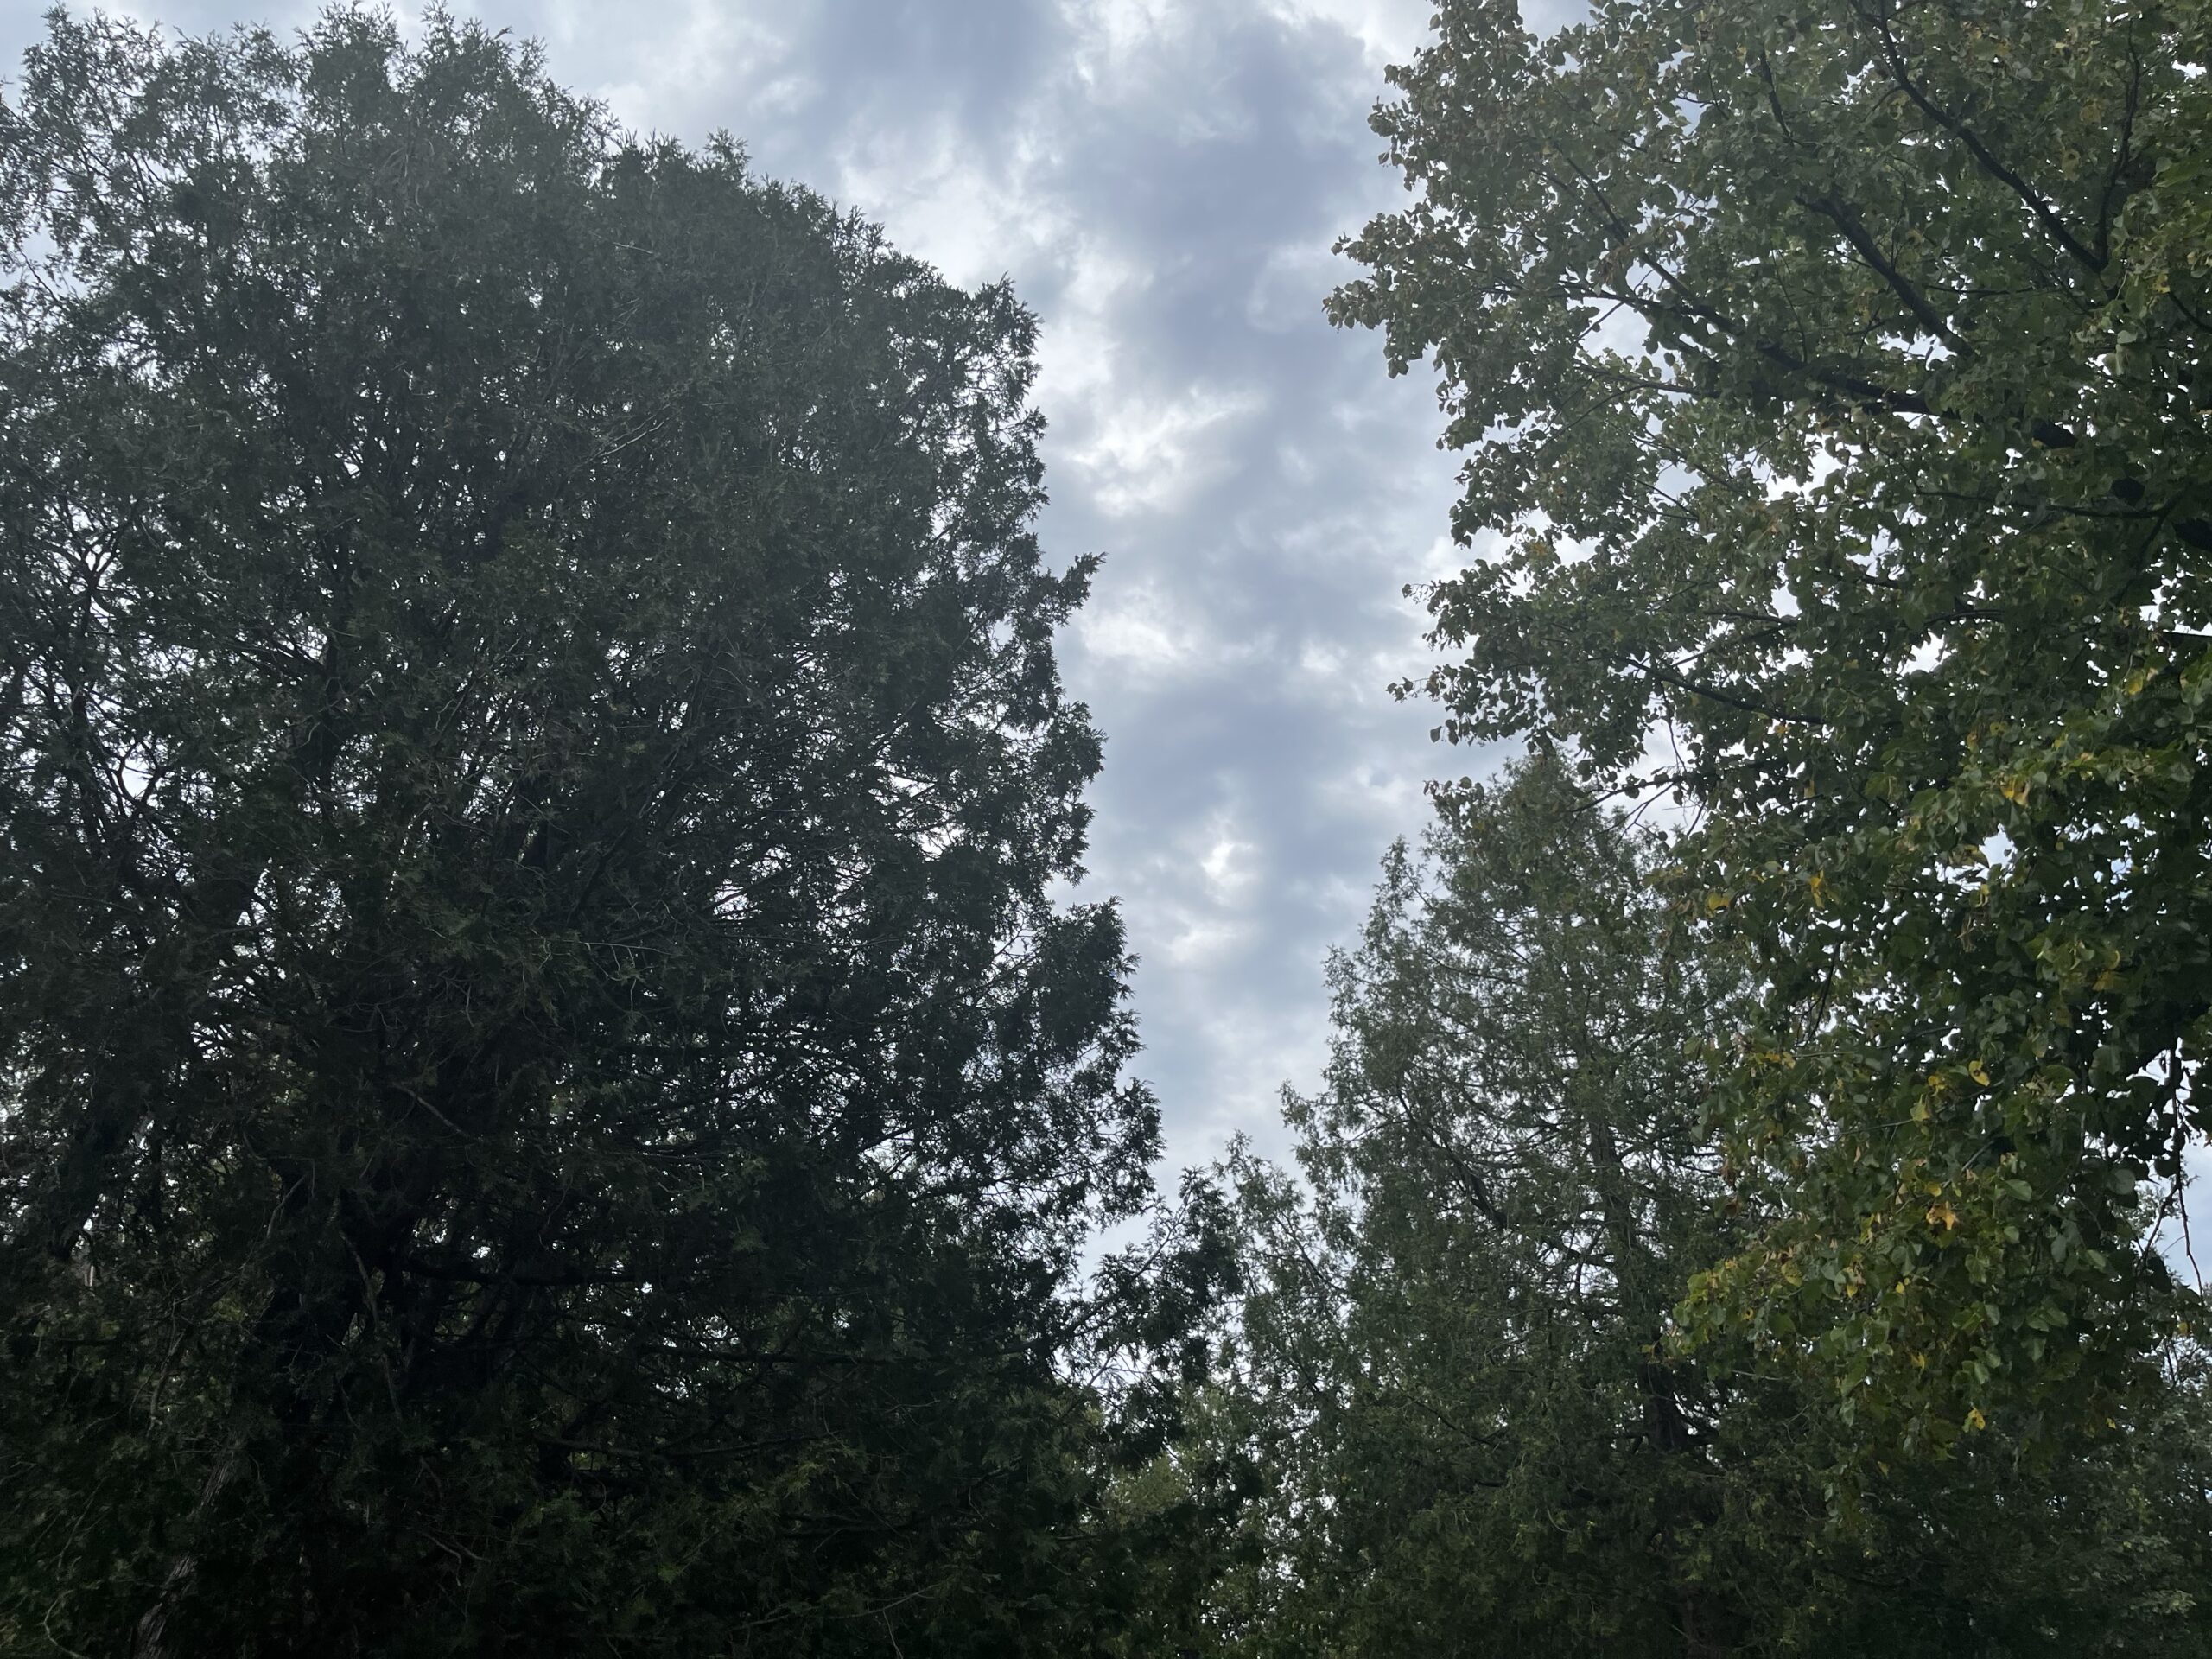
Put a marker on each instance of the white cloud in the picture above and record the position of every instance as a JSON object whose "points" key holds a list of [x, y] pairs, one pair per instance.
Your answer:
{"points": [[940, 199], [1287, 293], [1078, 351], [1147, 636], [1230, 866], [1122, 44], [708, 55], [1138, 630], [1148, 454], [1204, 894], [1388, 31]]}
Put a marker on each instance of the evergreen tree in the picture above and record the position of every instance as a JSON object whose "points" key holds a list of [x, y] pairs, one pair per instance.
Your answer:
{"points": [[1459, 1424], [547, 1102]]}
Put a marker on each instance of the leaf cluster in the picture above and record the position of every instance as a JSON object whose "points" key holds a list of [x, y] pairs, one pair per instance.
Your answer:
{"points": [[1832, 381]]}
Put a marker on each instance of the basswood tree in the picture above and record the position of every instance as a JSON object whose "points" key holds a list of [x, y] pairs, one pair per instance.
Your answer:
{"points": [[1450, 1396], [547, 1102], [1832, 382]]}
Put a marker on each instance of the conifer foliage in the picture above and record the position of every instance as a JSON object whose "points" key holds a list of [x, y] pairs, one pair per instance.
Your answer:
{"points": [[1452, 1422], [547, 1102]]}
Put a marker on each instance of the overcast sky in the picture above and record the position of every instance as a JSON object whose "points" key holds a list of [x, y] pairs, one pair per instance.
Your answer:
{"points": [[1162, 178]]}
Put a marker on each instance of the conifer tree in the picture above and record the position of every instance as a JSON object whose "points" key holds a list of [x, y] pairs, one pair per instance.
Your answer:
{"points": [[1452, 1423], [548, 1102]]}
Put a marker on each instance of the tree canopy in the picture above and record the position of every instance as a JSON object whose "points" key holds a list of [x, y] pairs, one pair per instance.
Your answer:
{"points": [[1832, 382], [555, 1092], [1450, 1422], [548, 1099]]}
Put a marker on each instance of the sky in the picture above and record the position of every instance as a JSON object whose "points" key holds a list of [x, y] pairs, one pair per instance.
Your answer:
{"points": [[1163, 180]]}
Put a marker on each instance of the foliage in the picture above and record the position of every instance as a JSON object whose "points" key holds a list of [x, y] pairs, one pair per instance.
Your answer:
{"points": [[547, 1101], [1462, 1431], [1832, 376]]}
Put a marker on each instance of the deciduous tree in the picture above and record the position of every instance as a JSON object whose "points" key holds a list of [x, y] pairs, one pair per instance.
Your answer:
{"points": [[1832, 379]]}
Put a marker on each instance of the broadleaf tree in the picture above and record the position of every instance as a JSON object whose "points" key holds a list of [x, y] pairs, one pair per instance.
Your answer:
{"points": [[1831, 378], [549, 1101]]}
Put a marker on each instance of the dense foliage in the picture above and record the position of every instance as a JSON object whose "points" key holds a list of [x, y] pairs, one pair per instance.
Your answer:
{"points": [[1833, 381], [547, 1104], [552, 1096], [1449, 1403]]}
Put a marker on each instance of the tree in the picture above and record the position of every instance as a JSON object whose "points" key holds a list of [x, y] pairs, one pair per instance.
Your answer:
{"points": [[1831, 379], [1505, 1176], [1450, 1375], [546, 1100]]}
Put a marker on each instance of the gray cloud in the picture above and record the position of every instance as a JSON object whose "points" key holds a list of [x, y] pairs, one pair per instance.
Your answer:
{"points": [[1163, 180]]}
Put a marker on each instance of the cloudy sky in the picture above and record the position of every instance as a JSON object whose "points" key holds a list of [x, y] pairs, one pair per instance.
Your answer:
{"points": [[1163, 180]]}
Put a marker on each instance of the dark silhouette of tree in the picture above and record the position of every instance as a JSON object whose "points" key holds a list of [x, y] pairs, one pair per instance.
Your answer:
{"points": [[547, 1103]]}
